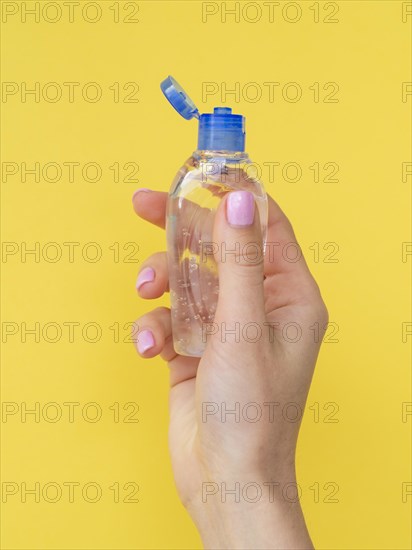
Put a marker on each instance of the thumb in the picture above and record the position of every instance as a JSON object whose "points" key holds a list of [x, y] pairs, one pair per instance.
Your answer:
{"points": [[238, 246]]}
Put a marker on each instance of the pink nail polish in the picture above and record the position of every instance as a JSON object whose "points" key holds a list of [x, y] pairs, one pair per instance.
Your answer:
{"points": [[147, 275], [144, 189], [240, 209], [145, 341]]}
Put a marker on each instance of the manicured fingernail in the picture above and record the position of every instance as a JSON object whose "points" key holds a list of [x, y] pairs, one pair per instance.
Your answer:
{"points": [[240, 208], [145, 341], [144, 189], [147, 275]]}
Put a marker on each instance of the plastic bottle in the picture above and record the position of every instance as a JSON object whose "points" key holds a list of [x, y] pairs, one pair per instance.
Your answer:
{"points": [[219, 165]]}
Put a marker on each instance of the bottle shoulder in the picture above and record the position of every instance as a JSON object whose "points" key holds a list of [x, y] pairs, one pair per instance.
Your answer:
{"points": [[227, 171]]}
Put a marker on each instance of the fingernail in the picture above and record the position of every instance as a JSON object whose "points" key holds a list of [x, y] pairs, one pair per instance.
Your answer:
{"points": [[147, 275], [240, 208], [145, 189], [145, 341]]}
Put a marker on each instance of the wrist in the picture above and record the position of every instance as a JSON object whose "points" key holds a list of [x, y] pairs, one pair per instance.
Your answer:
{"points": [[250, 513]]}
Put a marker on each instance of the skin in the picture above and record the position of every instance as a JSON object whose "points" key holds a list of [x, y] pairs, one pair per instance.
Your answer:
{"points": [[211, 451]]}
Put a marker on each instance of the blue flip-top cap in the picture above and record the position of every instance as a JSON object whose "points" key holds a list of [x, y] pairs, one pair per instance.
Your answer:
{"points": [[218, 131], [179, 98], [221, 131]]}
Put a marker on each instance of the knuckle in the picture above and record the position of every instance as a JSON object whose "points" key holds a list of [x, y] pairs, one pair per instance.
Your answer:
{"points": [[160, 311], [245, 254]]}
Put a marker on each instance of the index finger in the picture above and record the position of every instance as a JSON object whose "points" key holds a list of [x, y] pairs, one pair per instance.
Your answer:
{"points": [[151, 206]]}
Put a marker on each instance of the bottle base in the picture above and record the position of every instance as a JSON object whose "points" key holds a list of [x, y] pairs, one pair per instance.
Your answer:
{"points": [[187, 350]]}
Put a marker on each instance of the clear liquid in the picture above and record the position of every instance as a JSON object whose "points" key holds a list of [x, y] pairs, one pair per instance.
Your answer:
{"points": [[194, 197]]}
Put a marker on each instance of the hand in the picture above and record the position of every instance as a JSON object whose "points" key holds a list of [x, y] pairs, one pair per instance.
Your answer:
{"points": [[263, 368]]}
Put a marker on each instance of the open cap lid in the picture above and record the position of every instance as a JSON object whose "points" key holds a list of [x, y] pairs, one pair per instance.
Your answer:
{"points": [[179, 98]]}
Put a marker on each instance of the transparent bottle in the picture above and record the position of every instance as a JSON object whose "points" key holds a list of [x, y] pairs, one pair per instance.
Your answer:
{"points": [[218, 166]]}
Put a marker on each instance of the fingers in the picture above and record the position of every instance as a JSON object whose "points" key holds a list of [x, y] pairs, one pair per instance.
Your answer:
{"points": [[151, 206], [151, 332], [153, 278], [153, 336], [284, 264], [238, 242], [283, 254]]}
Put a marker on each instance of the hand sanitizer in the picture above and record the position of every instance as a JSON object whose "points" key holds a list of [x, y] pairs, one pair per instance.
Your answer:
{"points": [[219, 165]]}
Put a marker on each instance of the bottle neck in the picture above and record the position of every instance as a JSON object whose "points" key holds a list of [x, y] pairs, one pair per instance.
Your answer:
{"points": [[229, 156]]}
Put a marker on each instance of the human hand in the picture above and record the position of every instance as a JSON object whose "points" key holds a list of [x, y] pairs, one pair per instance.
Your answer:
{"points": [[213, 450]]}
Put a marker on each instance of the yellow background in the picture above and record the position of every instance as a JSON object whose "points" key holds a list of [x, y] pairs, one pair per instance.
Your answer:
{"points": [[366, 214]]}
